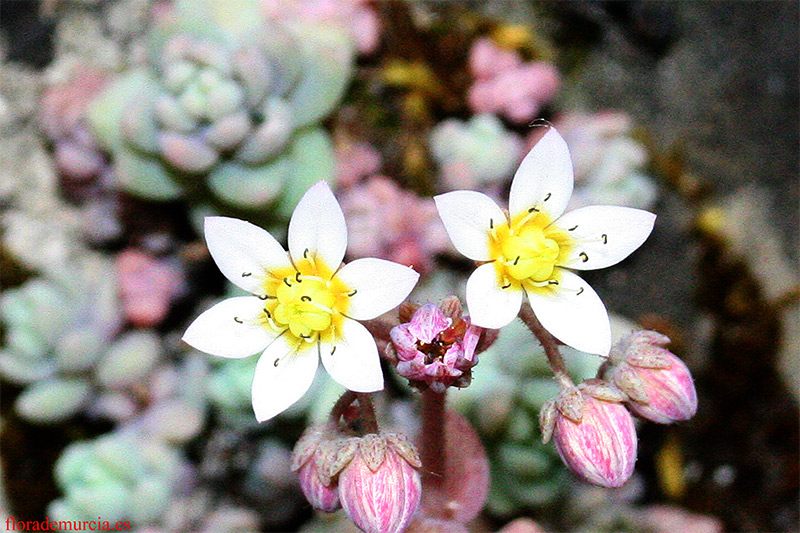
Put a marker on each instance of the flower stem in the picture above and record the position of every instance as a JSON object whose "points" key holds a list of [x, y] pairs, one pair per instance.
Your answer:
{"points": [[365, 420], [550, 345], [432, 443]]}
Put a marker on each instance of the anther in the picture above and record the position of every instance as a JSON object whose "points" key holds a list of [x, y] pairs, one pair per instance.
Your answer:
{"points": [[533, 210], [552, 282], [491, 223], [266, 312], [275, 363], [507, 285], [305, 253], [580, 292], [547, 197], [305, 298], [352, 293], [266, 297], [573, 228], [297, 277], [605, 238], [333, 350], [238, 320], [286, 281], [305, 337], [516, 261], [584, 256], [245, 274]]}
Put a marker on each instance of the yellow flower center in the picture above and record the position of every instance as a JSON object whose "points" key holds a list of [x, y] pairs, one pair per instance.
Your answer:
{"points": [[526, 250], [306, 303]]}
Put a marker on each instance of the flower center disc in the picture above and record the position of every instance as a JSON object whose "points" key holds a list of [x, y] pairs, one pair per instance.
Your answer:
{"points": [[527, 249], [307, 302]]}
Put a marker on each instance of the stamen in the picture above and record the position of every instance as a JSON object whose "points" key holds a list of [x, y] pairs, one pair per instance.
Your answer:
{"points": [[580, 292], [552, 282], [246, 274], [297, 277], [533, 210], [286, 281], [305, 253], [584, 256], [516, 261], [238, 320], [266, 297], [507, 285], [605, 238], [275, 363], [573, 228], [491, 223], [266, 312], [321, 307], [305, 298], [547, 197], [352, 293]]}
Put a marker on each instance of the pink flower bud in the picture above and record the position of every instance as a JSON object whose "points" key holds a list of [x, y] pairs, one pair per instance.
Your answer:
{"points": [[380, 489], [434, 349], [311, 459], [658, 384], [595, 437]]}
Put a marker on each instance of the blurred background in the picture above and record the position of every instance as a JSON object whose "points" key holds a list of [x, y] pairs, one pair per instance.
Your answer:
{"points": [[123, 123]]}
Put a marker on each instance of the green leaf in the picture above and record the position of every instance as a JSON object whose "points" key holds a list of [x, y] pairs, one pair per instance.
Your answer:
{"points": [[327, 55], [144, 176], [53, 400], [313, 160], [250, 187], [106, 112]]}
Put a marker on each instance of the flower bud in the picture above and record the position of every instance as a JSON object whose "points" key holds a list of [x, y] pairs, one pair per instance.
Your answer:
{"points": [[658, 384], [380, 488], [436, 348], [311, 458], [593, 432]]}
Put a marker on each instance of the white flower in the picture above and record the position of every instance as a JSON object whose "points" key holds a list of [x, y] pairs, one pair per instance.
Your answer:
{"points": [[305, 306], [532, 248]]}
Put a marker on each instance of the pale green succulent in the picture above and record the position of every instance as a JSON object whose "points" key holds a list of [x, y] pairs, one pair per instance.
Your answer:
{"points": [[227, 105], [121, 476], [475, 153], [63, 344]]}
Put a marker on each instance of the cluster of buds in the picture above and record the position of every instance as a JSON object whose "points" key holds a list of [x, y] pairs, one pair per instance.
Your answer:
{"points": [[374, 478], [591, 423], [435, 347]]}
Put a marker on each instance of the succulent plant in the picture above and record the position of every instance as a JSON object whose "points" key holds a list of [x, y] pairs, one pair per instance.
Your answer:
{"points": [[475, 153], [226, 103], [62, 344], [121, 476]]}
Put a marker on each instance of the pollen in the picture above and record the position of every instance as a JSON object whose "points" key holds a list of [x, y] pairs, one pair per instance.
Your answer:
{"points": [[307, 302], [527, 250]]}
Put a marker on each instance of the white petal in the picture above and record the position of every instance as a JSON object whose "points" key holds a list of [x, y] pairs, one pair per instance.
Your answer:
{"points": [[229, 329], [317, 225], [544, 178], [277, 387], [243, 251], [605, 234], [489, 305], [380, 286], [467, 217], [353, 361], [576, 318]]}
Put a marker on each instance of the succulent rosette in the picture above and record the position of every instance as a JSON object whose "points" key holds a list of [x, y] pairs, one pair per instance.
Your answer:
{"points": [[227, 104]]}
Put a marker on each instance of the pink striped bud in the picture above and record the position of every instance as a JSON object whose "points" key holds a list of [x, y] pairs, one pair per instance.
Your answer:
{"points": [[312, 459], [658, 384], [380, 488], [593, 432]]}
